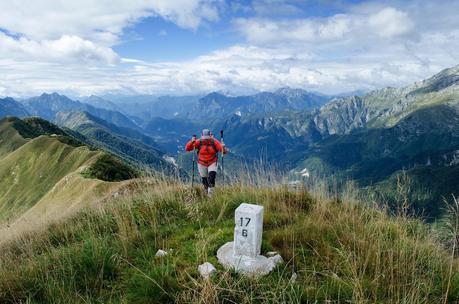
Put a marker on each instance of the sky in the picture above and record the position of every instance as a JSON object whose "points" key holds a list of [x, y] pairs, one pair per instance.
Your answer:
{"points": [[181, 47]]}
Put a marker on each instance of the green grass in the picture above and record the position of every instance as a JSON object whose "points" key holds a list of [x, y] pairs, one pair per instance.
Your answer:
{"points": [[34, 127], [9, 136], [32, 170], [110, 169], [342, 251]]}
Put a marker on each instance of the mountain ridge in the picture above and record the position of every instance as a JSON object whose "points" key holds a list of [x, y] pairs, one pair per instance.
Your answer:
{"points": [[48, 105], [42, 175]]}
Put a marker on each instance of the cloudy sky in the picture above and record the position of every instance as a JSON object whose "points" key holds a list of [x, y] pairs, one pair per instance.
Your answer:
{"points": [[196, 46]]}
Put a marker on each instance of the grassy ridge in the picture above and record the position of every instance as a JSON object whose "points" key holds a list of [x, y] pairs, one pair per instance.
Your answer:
{"points": [[341, 250], [41, 176], [32, 170], [108, 168], [10, 139]]}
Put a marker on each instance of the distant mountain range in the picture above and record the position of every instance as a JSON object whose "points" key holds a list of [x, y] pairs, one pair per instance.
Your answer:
{"points": [[10, 107], [107, 129], [216, 105], [47, 106], [368, 138]]}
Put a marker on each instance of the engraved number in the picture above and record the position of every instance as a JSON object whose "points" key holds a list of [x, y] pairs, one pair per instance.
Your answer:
{"points": [[248, 219], [244, 232]]}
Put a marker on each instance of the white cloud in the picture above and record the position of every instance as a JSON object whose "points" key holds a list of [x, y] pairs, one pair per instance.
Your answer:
{"points": [[386, 23], [101, 20], [368, 46], [239, 69], [84, 31], [390, 22], [62, 50], [185, 13]]}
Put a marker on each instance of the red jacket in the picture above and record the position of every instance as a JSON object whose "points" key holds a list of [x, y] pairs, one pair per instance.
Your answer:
{"points": [[207, 150]]}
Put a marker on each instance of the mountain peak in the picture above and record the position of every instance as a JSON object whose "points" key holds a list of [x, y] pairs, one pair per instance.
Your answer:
{"points": [[289, 91], [8, 99], [53, 94], [446, 78], [214, 94]]}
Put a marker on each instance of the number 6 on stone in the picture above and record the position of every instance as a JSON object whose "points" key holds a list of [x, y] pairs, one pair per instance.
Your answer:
{"points": [[243, 255], [248, 220]]}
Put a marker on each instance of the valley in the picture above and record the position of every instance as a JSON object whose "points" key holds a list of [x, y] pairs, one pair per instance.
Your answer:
{"points": [[369, 139]]}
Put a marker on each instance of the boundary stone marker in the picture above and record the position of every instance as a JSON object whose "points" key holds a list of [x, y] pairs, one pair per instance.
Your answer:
{"points": [[243, 255]]}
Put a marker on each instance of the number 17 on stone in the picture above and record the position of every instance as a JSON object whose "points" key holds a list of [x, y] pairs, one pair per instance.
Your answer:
{"points": [[249, 230]]}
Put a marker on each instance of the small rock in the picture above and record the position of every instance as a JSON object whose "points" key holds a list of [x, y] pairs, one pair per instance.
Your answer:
{"points": [[206, 270], [160, 253], [277, 259], [250, 266], [293, 277], [271, 254]]}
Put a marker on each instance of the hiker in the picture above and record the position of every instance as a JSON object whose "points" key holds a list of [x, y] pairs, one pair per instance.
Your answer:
{"points": [[207, 148]]}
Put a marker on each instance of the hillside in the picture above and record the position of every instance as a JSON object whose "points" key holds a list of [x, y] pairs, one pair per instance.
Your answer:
{"points": [[386, 107], [10, 107], [376, 138], [41, 170], [128, 144], [341, 251]]}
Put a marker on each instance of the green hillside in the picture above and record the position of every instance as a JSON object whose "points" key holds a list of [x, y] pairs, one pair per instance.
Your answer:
{"points": [[428, 190], [32, 170], [423, 141], [39, 163], [342, 251], [128, 144], [10, 138]]}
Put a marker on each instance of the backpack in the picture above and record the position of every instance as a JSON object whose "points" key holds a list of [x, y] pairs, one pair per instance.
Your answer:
{"points": [[206, 144]]}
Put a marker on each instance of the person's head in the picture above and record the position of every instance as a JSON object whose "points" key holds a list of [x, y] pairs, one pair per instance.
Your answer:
{"points": [[206, 134]]}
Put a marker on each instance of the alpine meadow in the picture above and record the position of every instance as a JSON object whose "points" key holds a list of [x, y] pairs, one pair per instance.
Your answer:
{"points": [[229, 151]]}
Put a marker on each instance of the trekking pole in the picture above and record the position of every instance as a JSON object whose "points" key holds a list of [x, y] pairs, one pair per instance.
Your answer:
{"points": [[194, 161], [223, 154]]}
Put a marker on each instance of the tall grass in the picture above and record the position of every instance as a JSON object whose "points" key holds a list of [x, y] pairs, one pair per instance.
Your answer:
{"points": [[342, 251]]}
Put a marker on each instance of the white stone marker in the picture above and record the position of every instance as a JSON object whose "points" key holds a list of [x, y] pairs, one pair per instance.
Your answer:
{"points": [[243, 255], [249, 230]]}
